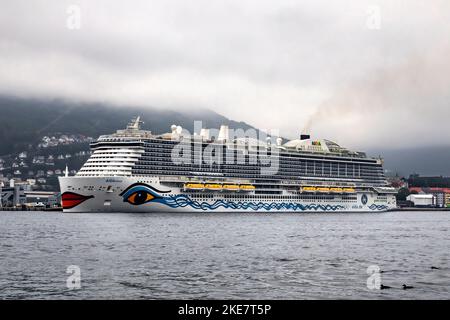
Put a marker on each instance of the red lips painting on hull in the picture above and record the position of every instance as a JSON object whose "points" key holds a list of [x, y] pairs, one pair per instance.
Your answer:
{"points": [[70, 199]]}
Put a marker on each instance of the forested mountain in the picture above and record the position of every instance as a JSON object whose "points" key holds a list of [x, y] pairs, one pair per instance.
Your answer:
{"points": [[26, 121]]}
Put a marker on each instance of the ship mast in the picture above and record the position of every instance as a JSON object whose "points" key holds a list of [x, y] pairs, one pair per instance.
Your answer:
{"points": [[135, 124]]}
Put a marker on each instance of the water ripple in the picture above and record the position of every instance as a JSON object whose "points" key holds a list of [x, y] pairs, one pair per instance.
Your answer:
{"points": [[224, 256]]}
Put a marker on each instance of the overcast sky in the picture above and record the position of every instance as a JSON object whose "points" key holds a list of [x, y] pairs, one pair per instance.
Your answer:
{"points": [[363, 73]]}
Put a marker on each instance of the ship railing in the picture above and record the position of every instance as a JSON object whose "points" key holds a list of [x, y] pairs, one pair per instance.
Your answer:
{"points": [[202, 179]]}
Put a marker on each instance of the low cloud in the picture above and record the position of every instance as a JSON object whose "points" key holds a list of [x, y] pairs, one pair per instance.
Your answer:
{"points": [[404, 104], [290, 65]]}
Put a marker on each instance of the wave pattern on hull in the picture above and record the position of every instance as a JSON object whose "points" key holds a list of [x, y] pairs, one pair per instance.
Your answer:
{"points": [[378, 207], [183, 201]]}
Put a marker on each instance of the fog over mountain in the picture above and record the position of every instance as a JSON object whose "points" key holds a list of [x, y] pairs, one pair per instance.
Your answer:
{"points": [[425, 161], [25, 121], [371, 76]]}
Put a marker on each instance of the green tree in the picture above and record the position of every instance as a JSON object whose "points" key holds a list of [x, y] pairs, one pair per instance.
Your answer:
{"points": [[402, 194]]}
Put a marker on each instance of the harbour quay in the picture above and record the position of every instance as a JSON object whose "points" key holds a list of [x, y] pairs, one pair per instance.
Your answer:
{"points": [[20, 196]]}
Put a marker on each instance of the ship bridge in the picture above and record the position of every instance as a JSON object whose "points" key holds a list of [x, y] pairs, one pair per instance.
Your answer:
{"points": [[116, 154]]}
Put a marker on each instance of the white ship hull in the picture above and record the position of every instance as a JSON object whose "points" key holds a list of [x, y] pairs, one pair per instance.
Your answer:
{"points": [[147, 194]]}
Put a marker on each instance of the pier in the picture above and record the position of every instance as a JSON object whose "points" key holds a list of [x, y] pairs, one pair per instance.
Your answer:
{"points": [[57, 209]]}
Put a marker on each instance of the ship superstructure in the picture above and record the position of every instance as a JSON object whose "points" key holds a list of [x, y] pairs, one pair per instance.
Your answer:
{"points": [[134, 170]]}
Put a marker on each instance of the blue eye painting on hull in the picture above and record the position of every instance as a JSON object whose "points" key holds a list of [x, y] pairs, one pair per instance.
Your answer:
{"points": [[141, 193]]}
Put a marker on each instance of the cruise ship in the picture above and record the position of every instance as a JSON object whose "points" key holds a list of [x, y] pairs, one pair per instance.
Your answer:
{"points": [[134, 170]]}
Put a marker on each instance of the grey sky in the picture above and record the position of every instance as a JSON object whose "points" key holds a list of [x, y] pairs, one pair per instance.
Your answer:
{"points": [[274, 64]]}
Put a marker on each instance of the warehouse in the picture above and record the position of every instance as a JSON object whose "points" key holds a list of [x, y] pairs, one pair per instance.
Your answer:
{"points": [[422, 200]]}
